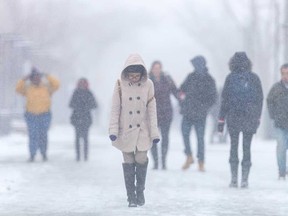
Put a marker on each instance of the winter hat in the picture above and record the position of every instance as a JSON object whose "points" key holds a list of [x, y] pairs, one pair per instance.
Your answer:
{"points": [[34, 72], [198, 62], [240, 62]]}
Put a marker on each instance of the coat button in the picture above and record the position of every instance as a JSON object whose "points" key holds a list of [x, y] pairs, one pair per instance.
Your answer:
{"points": [[130, 112], [138, 125], [138, 98], [139, 84], [130, 126], [138, 112], [130, 98]]}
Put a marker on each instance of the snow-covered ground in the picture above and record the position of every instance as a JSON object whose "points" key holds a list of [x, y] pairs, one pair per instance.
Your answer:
{"points": [[62, 186]]}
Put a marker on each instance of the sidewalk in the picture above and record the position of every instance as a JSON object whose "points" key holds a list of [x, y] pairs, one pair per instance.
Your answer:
{"points": [[63, 187]]}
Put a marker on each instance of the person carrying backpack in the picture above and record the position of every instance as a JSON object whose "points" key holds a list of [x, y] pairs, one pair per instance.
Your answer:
{"points": [[241, 107]]}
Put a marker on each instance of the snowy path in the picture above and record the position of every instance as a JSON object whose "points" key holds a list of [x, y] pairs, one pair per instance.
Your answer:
{"points": [[63, 187]]}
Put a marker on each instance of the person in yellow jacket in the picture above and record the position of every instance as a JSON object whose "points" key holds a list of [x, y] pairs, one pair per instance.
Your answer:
{"points": [[38, 92]]}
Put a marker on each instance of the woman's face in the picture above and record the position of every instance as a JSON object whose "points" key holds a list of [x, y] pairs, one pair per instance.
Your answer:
{"points": [[82, 84], [156, 70], [134, 77]]}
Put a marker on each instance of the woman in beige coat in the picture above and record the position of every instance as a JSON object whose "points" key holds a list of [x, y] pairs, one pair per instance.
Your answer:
{"points": [[133, 125]]}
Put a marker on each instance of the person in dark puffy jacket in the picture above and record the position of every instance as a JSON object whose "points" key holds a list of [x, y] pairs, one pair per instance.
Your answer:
{"points": [[82, 102], [199, 93], [241, 107], [277, 102], [164, 86]]}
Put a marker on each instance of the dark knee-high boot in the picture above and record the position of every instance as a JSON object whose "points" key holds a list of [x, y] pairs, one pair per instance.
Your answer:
{"points": [[245, 175], [129, 177], [141, 171], [234, 175]]}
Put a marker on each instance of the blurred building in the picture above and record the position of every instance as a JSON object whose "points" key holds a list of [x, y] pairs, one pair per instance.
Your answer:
{"points": [[14, 54]]}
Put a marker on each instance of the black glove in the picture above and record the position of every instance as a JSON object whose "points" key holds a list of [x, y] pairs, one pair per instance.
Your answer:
{"points": [[221, 126], [155, 141], [113, 137]]}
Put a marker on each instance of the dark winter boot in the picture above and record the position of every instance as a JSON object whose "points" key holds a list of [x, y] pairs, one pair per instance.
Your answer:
{"points": [[164, 163], [85, 156], [77, 158], [31, 159], [234, 175], [86, 149], [245, 175], [44, 157], [141, 171], [129, 177]]}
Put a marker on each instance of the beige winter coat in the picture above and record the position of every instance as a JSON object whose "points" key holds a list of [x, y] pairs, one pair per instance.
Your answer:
{"points": [[133, 116]]}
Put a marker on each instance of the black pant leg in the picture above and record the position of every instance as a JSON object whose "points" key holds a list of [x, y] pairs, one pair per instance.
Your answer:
{"points": [[77, 143], [165, 129]]}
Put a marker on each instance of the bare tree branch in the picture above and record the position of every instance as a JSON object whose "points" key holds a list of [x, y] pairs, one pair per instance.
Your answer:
{"points": [[231, 13]]}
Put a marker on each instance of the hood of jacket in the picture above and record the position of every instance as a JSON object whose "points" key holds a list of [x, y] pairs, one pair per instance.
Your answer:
{"points": [[240, 63], [134, 59]]}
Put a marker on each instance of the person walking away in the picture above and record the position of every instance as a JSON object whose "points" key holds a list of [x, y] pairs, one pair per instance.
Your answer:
{"points": [[241, 107], [133, 125], [277, 102], [38, 93], [199, 93], [82, 102], [164, 87]]}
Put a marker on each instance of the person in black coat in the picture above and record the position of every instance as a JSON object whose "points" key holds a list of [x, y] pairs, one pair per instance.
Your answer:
{"points": [[82, 102], [241, 107], [199, 94], [164, 86], [277, 102]]}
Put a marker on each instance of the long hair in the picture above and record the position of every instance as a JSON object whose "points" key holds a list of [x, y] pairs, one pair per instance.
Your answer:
{"points": [[155, 63], [83, 83]]}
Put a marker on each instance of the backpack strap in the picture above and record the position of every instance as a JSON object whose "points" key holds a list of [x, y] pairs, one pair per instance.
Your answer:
{"points": [[150, 101], [120, 91]]}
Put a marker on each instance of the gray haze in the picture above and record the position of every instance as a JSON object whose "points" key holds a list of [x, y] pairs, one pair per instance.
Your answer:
{"points": [[88, 38]]}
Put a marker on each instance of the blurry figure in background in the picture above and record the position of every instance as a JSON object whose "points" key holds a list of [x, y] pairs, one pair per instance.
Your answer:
{"points": [[241, 106], [214, 112], [82, 102], [133, 125], [164, 87], [199, 94], [38, 104], [277, 102]]}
